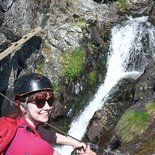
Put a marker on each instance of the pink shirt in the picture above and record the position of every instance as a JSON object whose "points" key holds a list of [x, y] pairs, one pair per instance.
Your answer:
{"points": [[27, 141]]}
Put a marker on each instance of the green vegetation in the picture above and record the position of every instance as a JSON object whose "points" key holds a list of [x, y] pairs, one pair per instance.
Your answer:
{"points": [[56, 87], [72, 63], [122, 4], [132, 124], [92, 78], [150, 108], [90, 45], [80, 21], [40, 68]]}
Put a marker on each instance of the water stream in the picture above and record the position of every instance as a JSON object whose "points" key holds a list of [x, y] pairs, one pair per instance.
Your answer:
{"points": [[127, 58]]}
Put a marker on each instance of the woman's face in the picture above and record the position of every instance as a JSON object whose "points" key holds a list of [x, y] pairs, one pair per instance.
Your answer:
{"points": [[39, 108]]}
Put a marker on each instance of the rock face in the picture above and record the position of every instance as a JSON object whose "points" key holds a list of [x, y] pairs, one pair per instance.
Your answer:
{"points": [[19, 18], [145, 87], [152, 16]]}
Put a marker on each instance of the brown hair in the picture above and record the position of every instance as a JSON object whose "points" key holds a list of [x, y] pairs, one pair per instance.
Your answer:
{"points": [[44, 94]]}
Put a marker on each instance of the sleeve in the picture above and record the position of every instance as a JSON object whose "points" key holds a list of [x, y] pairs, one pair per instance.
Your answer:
{"points": [[47, 135]]}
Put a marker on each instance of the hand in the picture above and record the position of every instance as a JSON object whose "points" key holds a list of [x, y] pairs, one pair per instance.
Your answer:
{"points": [[88, 151], [79, 147]]}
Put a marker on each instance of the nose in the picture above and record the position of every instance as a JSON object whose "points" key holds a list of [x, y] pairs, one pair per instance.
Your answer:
{"points": [[46, 106]]}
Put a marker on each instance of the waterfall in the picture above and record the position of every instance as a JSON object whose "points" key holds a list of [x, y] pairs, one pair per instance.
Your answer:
{"points": [[127, 58]]}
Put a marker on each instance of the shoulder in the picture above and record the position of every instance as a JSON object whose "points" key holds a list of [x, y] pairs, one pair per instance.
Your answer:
{"points": [[7, 123], [8, 127]]}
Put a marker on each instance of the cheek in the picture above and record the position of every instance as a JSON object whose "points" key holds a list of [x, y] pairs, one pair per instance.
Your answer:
{"points": [[37, 114], [33, 109]]}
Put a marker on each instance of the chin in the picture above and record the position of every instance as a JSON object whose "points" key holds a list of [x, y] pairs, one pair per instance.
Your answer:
{"points": [[44, 120]]}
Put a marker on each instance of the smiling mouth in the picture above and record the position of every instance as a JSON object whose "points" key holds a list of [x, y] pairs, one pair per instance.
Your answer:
{"points": [[47, 114]]}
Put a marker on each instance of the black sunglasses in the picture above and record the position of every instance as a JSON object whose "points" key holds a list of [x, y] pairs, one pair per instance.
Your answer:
{"points": [[41, 102]]}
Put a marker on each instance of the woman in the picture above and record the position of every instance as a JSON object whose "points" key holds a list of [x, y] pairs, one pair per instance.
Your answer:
{"points": [[34, 97]]}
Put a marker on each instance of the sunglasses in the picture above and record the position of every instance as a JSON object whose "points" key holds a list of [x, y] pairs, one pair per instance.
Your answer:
{"points": [[40, 103]]}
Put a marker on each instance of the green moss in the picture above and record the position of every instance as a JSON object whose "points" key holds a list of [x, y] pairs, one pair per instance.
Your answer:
{"points": [[122, 4], [72, 63], [90, 45], [40, 68], [80, 21], [132, 124], [92, 78], [150, 108], [56, 87]]}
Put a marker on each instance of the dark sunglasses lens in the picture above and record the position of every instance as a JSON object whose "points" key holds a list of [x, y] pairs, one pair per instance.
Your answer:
{"points": [[50, 101], [40, 103]]}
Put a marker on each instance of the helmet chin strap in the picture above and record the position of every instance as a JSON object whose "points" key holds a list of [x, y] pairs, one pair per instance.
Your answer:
{"points": [[25, 104], [29, 115], [34, 122], [24, 108]]}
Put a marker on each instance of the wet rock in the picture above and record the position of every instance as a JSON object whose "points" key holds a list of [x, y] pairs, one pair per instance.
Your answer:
{"points": [[152, 16]]}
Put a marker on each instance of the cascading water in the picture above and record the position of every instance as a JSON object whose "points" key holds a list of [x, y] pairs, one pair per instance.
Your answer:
{"points": [[127, 58]]}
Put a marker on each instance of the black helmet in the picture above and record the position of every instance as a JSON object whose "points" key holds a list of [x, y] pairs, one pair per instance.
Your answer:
{"points": [[31, 82]]}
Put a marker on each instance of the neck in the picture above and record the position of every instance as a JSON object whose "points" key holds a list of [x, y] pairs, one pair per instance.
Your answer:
{"points": [[32, 122]]}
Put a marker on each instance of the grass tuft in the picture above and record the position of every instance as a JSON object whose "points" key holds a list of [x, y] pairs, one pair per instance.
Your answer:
{"points": [[132, 124]]}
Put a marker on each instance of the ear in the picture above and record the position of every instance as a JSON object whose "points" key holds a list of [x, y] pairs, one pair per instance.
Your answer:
{"points": [[17, 102], [22, 108]]}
